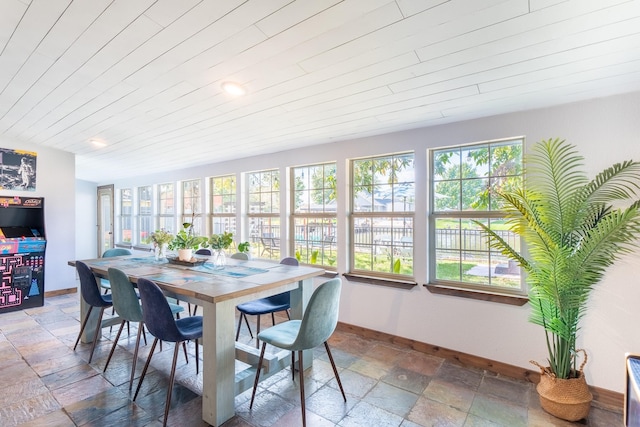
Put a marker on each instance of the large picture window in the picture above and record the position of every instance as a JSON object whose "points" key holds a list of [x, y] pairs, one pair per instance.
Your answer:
{"points": [[382, 215], [223, 204], [263, 211], [463, 189], [314, 214]]}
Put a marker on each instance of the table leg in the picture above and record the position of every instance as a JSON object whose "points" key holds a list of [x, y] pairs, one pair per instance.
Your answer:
{"points": [[218, 377]]}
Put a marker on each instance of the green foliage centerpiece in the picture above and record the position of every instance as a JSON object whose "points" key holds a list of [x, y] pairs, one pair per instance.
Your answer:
{"points": [[186, 241], [572, 232], [220, 242], [161, 239]]}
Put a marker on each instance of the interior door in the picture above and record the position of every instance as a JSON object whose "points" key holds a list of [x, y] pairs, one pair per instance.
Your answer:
{"points": [[105, 218]]}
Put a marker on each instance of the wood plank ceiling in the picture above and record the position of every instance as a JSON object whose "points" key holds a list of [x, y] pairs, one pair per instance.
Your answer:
{"points": [[144, 77]]}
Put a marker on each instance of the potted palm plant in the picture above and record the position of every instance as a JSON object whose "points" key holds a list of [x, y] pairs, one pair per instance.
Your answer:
{"points": [[573, 229]]}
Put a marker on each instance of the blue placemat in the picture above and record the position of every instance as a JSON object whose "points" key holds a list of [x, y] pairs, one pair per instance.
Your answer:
{"points": [[228, 270]]}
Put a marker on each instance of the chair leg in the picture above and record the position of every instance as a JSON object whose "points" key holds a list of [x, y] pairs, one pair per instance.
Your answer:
{"points": [[144, 370], [167, 404], [243, 316], [304, 412], [84, 324], [293, 365], [135, 353], [184, 345], [246, 321], [255, 383], [195, 309], [197, 357], [95, 336], [335, 371], [113, 347], [257, 333], [273, 319], [288, 314]]}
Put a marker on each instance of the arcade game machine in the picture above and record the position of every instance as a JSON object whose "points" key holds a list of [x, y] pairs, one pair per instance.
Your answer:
{"points": [[22, 248]]}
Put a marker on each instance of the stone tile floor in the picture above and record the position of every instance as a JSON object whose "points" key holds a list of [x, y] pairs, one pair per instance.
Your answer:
{"points": [[45, 383]]}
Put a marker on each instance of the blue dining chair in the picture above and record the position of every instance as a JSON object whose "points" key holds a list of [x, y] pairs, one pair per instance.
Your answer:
{"points": [[127, 305], [268, 305], [201, 251], [160, 322], [317, 325], [91, 295]]}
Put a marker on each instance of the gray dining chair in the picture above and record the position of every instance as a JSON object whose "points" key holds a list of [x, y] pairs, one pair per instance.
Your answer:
{"points": [[104, 283], [240, 255], [317, 325], [267, 305], [127, 305]]}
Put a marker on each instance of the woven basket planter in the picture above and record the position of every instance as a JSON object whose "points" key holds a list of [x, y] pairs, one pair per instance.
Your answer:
{"points": [[568, 399]]}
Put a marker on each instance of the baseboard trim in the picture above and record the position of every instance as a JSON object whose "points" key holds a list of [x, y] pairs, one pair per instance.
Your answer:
{"points": [[58, 292], [603, 398]]}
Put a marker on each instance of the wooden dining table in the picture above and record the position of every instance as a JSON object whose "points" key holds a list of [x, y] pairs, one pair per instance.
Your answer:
{"points": [[218, 291]]}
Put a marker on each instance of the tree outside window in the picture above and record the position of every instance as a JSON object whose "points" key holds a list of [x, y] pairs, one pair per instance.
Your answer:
{"points": [[314, 214], [382, 215], [463, 185]]}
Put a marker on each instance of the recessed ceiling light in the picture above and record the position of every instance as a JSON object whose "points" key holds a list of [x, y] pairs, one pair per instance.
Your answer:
{"points": [[234, 89], [98, 142]]}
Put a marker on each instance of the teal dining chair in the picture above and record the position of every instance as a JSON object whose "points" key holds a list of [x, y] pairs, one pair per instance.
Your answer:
{"points": [[127, 305], [160, 322], [267, 305], [240, 255], [317, 325], [104, 283]]}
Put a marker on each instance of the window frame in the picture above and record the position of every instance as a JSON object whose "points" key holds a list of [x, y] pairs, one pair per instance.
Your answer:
{"points": [[489, 215], [141, 217], [126, 217], [194, 215], [161, 201], [271, 242], [232, 196], [363, 222], [326, 218]]}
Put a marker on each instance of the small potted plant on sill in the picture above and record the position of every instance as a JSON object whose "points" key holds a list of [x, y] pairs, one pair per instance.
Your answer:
{"points": [[218, 243], [245, 247], [185, 242]]}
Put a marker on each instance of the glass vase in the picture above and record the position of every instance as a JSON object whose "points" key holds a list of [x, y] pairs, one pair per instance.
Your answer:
{"points": [[161, 252], [219, 258]]}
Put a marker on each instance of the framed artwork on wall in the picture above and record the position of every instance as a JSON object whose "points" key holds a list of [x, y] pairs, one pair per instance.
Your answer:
{"points": [[17, 170]]}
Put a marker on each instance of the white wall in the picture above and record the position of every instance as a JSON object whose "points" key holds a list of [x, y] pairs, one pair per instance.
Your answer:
{"points": [[55, 181], [86, 220], [606, 131]]}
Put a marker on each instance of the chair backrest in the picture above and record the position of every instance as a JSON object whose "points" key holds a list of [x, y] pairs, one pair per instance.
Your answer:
{"points": [[240, 255], [125, 300], [156, 312], [89, 286], [115, 252], [204, 251], [289, 261], [320, 317]]}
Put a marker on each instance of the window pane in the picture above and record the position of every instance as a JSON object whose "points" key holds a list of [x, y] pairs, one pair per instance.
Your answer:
{"points": [[264, 191], [265, 236], [315, 240], [126, 201], [145, 229], [144, 200], [165, 199], [223, 194], [466, 182]]}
